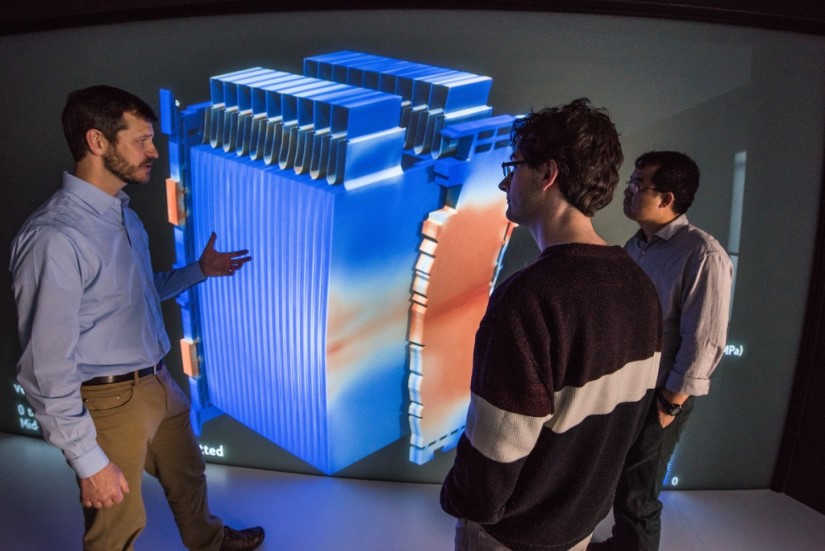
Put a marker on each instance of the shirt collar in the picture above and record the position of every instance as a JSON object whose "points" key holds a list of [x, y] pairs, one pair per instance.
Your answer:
{"points": [[672, 228], [95, 197], [666, 232]]}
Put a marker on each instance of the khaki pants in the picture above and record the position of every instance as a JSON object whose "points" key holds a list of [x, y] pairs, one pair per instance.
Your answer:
{"points": [[471, 536], [144, 425]]}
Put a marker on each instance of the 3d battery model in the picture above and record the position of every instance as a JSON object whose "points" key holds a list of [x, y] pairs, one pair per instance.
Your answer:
{"points": [[366, 192]]}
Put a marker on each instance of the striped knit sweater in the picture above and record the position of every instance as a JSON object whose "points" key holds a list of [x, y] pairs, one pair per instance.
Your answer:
{"points": [[564, 368]]}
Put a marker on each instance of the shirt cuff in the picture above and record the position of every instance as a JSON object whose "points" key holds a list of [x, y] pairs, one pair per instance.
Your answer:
{"points": [[193, 273], [682, 384], [89, 464]]}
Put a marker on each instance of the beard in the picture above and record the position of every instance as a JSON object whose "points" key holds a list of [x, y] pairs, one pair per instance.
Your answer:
{"points": [[126, 172]]}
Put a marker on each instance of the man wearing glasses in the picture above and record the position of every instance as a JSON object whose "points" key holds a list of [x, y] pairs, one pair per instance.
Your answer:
{"points": [[693, 275], [566, 356]]}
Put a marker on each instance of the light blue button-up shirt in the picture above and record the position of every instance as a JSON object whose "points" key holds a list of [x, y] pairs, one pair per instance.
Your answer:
{"points": [[692, 274], [88, 305]]}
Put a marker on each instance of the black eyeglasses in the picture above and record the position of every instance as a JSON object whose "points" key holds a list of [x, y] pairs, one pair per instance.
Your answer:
{"points": [[635, 188], [507, 168]]}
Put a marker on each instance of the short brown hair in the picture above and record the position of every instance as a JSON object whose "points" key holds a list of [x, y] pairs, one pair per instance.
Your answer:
{"points": [[102, 108]]}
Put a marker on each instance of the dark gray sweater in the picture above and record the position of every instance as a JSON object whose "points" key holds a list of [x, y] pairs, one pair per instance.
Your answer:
{"points": [[564, 369]]}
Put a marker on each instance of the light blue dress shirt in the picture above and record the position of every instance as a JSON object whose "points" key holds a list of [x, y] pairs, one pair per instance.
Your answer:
{"points": [[88, 305], [692, 274]]}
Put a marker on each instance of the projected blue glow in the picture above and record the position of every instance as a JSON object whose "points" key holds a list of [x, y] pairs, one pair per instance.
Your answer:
{"points": [[366, 191]]}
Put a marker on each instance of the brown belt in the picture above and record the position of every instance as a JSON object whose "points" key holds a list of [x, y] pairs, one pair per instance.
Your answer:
{"points": [[134, 375]]}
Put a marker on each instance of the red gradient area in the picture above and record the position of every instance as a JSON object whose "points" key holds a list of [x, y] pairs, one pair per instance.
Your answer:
{"points": [[463, 249]]}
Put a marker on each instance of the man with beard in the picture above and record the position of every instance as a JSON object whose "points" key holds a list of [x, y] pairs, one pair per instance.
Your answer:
{"points": [[93, 337], [566, 356]]}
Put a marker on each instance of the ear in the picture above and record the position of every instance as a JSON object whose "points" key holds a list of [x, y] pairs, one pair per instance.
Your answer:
{"points": [[668, 200], [96, 141], [551, 172]]}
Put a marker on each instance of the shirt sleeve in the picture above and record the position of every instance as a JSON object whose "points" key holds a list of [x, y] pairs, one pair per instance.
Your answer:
{"points": [[48, 288], [509, 405], [168, 284], [703, 323], [171, 284]]}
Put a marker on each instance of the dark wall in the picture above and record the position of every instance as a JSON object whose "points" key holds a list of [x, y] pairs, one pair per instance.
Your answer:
{"points": [[805, 16], [802, 455]]}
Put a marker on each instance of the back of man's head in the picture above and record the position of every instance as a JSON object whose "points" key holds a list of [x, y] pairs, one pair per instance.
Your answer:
{"points": [[101, 108], [583, 142], [676, 173]]}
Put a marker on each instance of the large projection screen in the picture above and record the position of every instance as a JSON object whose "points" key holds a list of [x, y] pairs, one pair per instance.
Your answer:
{"points": [[747, 104]]}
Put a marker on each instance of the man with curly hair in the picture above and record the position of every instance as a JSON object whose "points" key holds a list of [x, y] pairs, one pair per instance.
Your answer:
{"points": [[566, 356]]}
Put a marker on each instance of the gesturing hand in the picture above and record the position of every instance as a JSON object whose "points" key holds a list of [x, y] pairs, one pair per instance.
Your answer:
{"points": [[214, 263], [105, 488]]}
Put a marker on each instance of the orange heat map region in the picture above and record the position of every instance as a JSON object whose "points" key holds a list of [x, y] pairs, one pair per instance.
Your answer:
{"points": [[455, 271]]}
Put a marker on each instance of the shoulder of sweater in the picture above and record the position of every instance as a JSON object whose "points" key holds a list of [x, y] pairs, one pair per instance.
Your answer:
{"points": [[558, 269]]}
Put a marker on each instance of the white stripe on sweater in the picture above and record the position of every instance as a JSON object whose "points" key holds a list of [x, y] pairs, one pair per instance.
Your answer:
{"points": [[505, 436]]}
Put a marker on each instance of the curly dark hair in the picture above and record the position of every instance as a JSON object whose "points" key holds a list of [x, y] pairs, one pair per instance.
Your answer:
{"points": [[677, 173], [102, 108], [585, 145]]}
